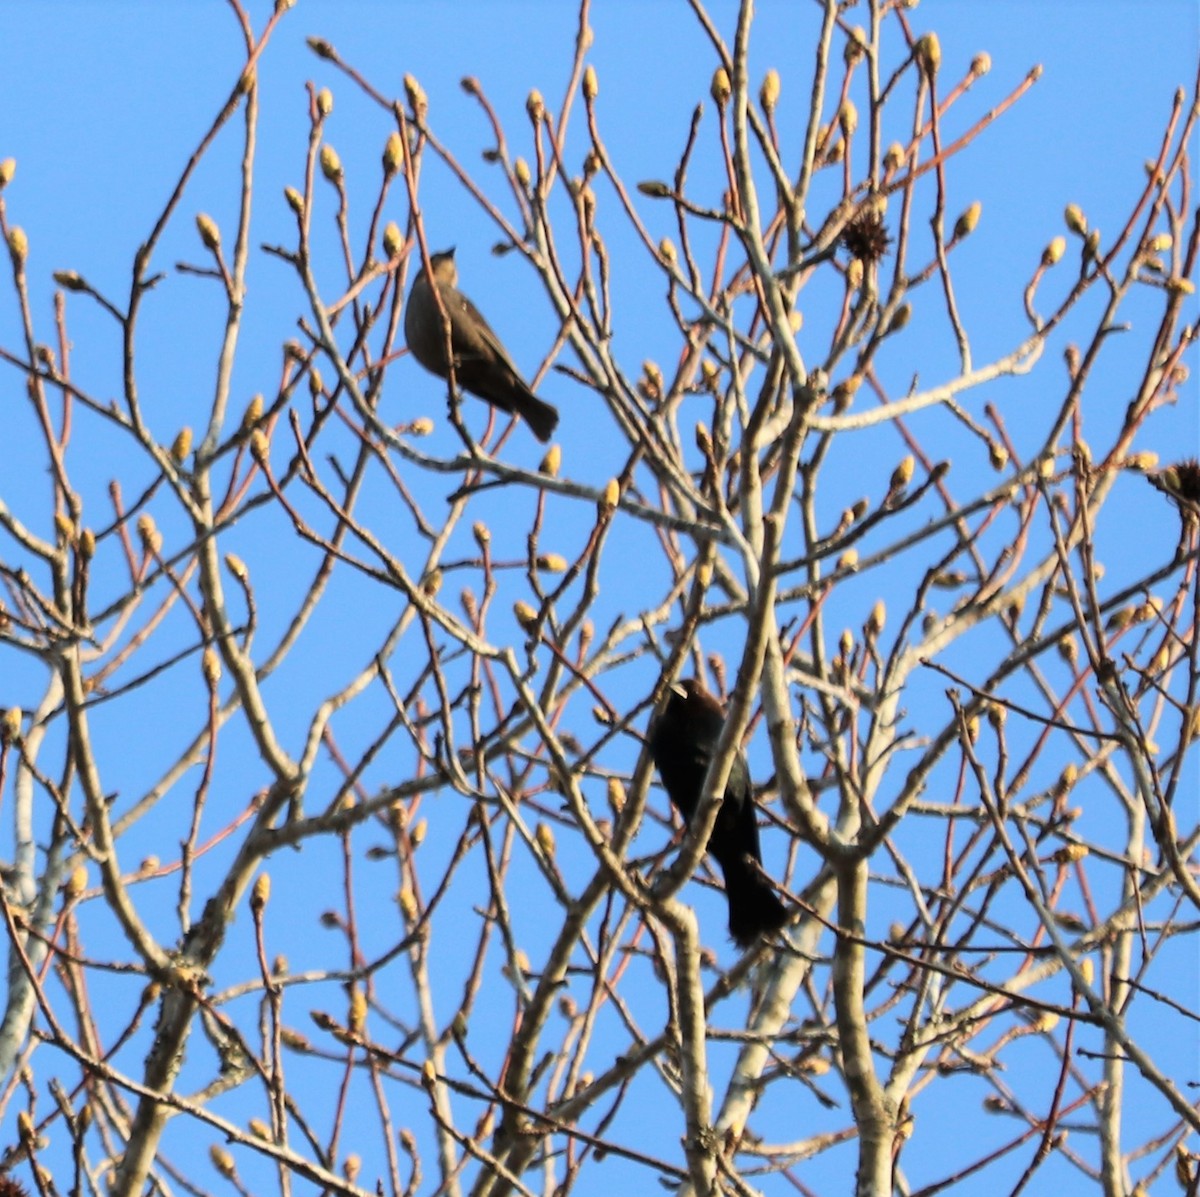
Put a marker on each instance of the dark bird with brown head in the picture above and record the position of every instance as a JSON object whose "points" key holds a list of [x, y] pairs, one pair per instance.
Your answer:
{"points": [[481, 364], [683, 739]]}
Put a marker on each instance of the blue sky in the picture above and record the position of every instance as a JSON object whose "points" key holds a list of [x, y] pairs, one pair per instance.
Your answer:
{"points": [[101, 105]]}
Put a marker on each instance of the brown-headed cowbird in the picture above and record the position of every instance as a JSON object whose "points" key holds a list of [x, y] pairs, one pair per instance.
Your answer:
{"points": [[481, 364], [683, 738]]}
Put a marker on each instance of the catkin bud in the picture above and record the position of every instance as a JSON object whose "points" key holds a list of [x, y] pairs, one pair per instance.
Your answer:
{"points": [[181, 446], [591, 85], [611, 496], [535, 106], [1076, 221], [877, 618], [418, 101], [964, 226], [70, 280], [210, 664], [260, 895], [357, 1014], [848, 118], [552, 563], [545, 839], [295, 200], [894, 157], [856, 45], [981, 64], [209, 233], [18, 246], [615, 793], [8, 168], [393, 240], [222, 1161], [393, 154], [525, 615], [768, 94], [1053, 252], [324, 101], [721, 88], [331, 164], [900, 317], [928, 53], [902, 474]]}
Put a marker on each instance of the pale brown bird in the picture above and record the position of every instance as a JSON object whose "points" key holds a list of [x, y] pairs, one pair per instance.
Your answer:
{"points": [[481, 364]]}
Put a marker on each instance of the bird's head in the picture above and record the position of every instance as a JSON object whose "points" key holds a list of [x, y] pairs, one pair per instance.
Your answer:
{"points": [[444, 269]]}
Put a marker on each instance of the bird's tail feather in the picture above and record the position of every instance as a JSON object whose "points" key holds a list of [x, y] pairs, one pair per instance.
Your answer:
{"points": [[754, 908]]}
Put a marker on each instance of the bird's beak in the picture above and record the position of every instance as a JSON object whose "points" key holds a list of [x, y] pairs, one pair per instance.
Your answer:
{"points": [[677, 689]]}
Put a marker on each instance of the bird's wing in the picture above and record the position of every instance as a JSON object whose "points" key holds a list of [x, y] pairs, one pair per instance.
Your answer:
{"points": [[473, 336]]}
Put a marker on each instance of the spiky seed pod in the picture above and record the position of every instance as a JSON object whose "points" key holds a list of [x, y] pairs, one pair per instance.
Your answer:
{"points": [[866, 237], [1182, 480]]}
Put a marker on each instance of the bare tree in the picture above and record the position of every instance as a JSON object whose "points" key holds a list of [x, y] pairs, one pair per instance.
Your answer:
{"points": [[487, 958]]}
